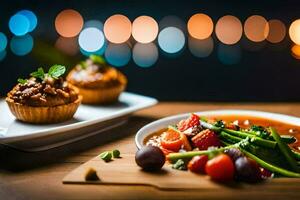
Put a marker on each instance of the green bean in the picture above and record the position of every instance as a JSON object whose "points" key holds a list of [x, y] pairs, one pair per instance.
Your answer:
{"points": [[229, 137], [286, 138], [173, 157], [257, 140], [285, 150], [271, 167]]}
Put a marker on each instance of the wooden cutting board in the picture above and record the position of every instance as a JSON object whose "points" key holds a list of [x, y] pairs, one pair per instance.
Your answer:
{"points": [[125, 171]]}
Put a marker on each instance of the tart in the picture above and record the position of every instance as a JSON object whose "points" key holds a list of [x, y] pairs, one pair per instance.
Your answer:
{"points": [[97, 82], [44, 98]]}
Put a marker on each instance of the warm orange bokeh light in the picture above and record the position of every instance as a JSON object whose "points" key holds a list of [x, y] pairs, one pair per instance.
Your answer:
{"points": [[294, 31], [68, 23], [229, 29], [200, 26], [144, 29], [256, 28], [296, 51], [117, 29], [277, 31]]}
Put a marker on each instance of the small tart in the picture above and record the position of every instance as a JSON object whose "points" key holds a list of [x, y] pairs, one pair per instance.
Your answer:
{"points": [[97, 83], [47, 101]]}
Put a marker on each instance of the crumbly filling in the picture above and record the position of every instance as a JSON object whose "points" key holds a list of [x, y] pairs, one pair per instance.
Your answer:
{"points": [[95, 76], [49, 92]]}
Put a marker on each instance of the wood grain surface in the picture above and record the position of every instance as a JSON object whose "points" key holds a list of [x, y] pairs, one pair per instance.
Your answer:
{"points": [[26, 175], [124, 171]]}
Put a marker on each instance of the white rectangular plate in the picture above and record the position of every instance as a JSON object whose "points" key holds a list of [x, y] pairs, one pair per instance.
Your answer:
{"points": [[87, 119]]}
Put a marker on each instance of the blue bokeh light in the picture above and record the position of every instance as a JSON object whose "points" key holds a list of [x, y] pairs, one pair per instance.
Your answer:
{"points": [[201, 48], [3, 41], [21, 45], [91, 39], [19, 24], [118, 55], [31, 18], [94, 23], [171, 40], [2, 55], [229, 54], [145, 55]]}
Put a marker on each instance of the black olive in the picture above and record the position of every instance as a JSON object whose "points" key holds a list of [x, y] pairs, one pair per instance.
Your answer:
{"points": [[150, 158], [247, 170]]}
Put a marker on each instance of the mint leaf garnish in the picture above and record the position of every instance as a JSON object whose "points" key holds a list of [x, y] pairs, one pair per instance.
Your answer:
{"points": [[22, 81], [56, 71], [39, 74], [97, 59]]}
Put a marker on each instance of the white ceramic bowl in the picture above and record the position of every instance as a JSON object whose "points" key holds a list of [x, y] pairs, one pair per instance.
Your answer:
{"points": [[164, 122]]}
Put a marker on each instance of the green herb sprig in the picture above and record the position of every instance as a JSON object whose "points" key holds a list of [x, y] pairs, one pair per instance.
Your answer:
{"points": [[97, 59], [54, 72], [22, 81]]}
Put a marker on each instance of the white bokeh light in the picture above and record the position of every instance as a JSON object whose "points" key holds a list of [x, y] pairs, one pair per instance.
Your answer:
{"points": [[171, 40], [91, 39]]}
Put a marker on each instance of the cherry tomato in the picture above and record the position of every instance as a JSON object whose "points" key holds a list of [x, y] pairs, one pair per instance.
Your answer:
{"points": [[197, 164], [220, 168]]}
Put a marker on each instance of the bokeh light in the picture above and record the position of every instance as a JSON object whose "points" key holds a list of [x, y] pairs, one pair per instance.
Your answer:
{"points": [[31, 18], [19, 24], [200, 26], [294, 31], [117, 29], [145, 55], [171, 40], [229, 29], [296, 51], [256, 28], [144, 29], [277, 31], [172, 21], [3, 41], [229, 55], [93, 23], [201, 48], [118, 55], [2, 55], [68, 46], [68, 23], [21, 45], [91, 39]]}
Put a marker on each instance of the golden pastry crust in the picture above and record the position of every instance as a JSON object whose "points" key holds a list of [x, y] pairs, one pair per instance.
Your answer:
{"points": [[47, 101], [43, 115]]}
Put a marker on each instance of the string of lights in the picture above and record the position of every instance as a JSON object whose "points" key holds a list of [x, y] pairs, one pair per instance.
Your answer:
{"points": [[119, 39]]}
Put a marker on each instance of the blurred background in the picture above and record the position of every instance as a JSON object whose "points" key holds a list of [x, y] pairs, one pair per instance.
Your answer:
{"points": [[172, 50]]}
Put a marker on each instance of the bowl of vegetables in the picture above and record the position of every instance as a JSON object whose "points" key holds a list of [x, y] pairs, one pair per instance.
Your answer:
{"points": [[226, 145]]}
